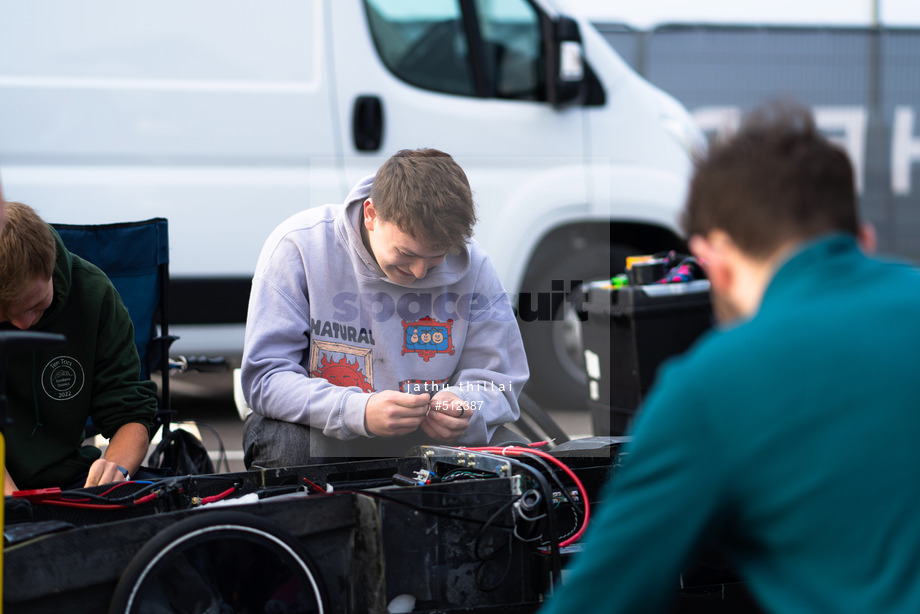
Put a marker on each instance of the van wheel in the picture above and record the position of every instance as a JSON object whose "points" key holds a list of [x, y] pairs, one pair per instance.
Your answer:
{"points": [[554, 347], [220, 562]]}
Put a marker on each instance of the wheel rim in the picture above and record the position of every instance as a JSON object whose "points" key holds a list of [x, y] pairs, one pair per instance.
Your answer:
{"points": [[568, 345], [263, 574]]}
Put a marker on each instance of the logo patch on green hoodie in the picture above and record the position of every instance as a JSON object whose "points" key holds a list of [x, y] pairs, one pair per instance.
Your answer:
{"points": [[63, 378]]}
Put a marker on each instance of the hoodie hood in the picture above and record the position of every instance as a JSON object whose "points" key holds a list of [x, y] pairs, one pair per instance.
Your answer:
{"points": [[453, 269], [61, 280]]}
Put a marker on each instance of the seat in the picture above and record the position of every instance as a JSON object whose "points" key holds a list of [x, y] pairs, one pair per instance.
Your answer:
{"points": [[135, 257]]}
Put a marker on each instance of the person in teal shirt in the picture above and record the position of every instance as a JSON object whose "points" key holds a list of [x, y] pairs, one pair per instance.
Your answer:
{"points": [[787, 438]]}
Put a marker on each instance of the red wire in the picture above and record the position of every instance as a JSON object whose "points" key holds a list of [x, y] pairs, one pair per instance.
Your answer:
{"points": [[118, 485], [316, 487], [516, 451], [148, 497], [503, 451], [80, 503], [108, 506], [218, 496], [84, 506]]}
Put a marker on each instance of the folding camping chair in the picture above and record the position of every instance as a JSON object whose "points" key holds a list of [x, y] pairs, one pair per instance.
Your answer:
{"points": [[135, 256]]}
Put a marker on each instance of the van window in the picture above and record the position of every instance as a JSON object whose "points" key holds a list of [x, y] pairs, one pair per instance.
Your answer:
{"points": [[485, 48]]}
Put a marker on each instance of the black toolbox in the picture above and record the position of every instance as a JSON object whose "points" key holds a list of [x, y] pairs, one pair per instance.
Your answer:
{"points": [[627, 332]]}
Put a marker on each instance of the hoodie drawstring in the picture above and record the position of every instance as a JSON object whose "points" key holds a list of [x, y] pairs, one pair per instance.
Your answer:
{"points": [[38, 419]]}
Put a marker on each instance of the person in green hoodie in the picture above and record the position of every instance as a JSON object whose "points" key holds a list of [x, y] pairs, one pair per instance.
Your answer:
{"points": [[95, 374]]}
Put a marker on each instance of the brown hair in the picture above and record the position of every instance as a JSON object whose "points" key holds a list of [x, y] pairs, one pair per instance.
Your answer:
{"points": [[776, 180], [27, 253], [427, 195]]}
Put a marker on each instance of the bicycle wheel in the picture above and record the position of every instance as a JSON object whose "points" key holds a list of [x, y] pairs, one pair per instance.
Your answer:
{"points": [[220, 562]]}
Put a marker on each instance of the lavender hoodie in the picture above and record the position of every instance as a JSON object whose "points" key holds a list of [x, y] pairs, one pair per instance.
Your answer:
{"points": [[326, 329]]}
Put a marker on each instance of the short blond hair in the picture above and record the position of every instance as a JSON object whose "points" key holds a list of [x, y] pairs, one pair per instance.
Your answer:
{"points": [[27, 252]]}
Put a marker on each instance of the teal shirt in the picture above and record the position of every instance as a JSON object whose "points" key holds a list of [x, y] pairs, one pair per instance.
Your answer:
{"points": [[792, 441], [95, 374]]}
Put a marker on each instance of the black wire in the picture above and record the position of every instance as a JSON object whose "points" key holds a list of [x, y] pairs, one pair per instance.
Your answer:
{"points": [[579, 510], [460, 474], [156, 484], [483, 559], [214, 478], [113, 500], [482, 565], [555, 558], [486, 524], [222, 452], [574, 528]]}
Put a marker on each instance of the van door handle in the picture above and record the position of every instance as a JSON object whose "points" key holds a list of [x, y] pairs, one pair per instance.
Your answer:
{"points": [[368, 123]]}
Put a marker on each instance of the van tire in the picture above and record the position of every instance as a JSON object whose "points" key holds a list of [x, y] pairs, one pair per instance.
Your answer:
{"points": [[554, 349]]}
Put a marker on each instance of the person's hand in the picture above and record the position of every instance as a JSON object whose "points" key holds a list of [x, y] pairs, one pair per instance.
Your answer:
{"points": [[103, 472], [9, 486], [448, 417], [390, 413]]}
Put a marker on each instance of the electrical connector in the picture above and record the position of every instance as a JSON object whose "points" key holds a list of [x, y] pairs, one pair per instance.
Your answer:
{"points": [[559, 497], [38, 494], [421, 477]]}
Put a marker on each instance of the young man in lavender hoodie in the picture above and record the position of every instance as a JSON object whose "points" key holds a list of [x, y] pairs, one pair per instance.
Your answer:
{"points": [[379, 324]]}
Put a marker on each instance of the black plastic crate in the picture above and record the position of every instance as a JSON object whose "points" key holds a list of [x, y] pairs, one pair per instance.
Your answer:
{"points": [[627, 333]]}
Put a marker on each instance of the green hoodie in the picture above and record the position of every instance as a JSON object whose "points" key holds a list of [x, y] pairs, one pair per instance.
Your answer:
{"points": [[94, 374]]}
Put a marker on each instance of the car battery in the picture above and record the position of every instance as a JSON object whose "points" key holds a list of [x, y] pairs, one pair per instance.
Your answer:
{"points": [[627, 332]]}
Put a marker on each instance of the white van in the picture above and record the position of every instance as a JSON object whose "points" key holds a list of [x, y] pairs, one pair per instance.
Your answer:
{"points": [[227, 116]]}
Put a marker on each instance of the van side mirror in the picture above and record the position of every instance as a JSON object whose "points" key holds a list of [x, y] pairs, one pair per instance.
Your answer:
{"points": [[566, 79]]}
